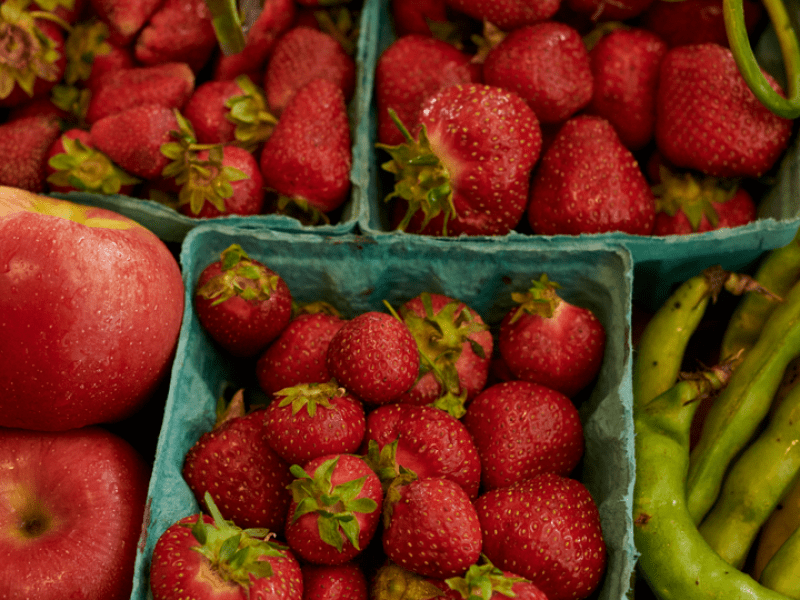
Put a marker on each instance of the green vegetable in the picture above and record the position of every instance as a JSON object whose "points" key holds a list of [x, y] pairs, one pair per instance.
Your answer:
{"points": [[781, 573]]}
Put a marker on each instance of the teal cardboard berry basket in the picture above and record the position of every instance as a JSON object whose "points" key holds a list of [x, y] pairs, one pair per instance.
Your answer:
{"points": [[660, 263], [357, 274]]}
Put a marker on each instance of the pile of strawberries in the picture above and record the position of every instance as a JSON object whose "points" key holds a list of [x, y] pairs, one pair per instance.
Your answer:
{"points": [[135, 97], [570, 117], [408, 448]]}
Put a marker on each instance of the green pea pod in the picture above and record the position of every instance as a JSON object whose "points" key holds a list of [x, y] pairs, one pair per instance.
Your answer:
{"points": [[675, 560], [757, 481], [782, 572], [778, 272], [739, 410]]}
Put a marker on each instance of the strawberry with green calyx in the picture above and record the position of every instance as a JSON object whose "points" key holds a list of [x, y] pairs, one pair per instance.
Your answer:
{"points": [[85, 41], [338, 21], [688, 204], [74, 164], [549, 341], [199, 554], [32, 56], [313, 419], [455, 347], [241, 303], [335, 509], [393, 582], [448, 189], [484, 581], [250, 114]]}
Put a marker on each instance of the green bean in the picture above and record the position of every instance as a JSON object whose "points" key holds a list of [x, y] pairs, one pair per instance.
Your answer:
{"points": [[675, 560], [782, 572], [757, 481], [739, 410]]}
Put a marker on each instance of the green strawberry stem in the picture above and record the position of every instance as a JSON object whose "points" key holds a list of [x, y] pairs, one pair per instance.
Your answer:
{"points": [[482, 581], [239, 277], [683, 192], [541, 299], [309, 396], [86, 169], [393, 582], [739, 41], [251, 115], [227, 25]]}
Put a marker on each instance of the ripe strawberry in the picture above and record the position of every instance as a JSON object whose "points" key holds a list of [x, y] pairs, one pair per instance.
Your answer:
{"points": [[335, 509], [547, 530], [308, 157], [299, 354], [550, 341], [455, 191], [124, 17], [169, 85], [334, 582], [275, 19], [522, 429], [431, 527], [603, 10], [311, 420], [455, 348], [241, 303], [116, 58], [32, 59], [625, 64], [74, 165], [425, 440], [507, 14], [24, 144], [374, 356], [708, 119], [417, 17], [200, 554], [547, 64], [588, 182], [408, 71], [487, 581], [301, 55], [133, 138], [179, 31], [687, 204], [234, 464]]}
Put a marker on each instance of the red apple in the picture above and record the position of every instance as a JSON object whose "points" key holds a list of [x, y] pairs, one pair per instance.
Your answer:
{"points": [[71, 510], [90, 309]]}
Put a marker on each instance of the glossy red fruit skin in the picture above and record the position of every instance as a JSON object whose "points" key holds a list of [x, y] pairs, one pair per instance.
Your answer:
{"points": [[414, 17], [734, 212], [522, 429], [547, 529], [507, 14], [708, 119], [334, 582], [246, 479], [206, 111], [695, 21], [24, 143], [430, 442], [547, 64], [434, 529], [375, 357], [600, 10]]}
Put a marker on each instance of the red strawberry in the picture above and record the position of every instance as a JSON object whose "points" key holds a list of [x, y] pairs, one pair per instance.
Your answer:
{"points": [[686, 204], [695, 21], [179, 31], [625, 64], [487, 581], [335, 509], [431, 527], [708, 119], [311, 420], [74, 165], [169, 85], [274, 19], [115, 59], [410, 69], [133, 138], [228, 558], [547, 64], [605, 10], [374, 356], [124, 17], [507, 14], [234, 464], [588, 182], [24, 144], [455, 348], [522, 429], [425, 440], [416, 17], [455, 191], [547, 530], [550, 341], [301, 55], [241, 303], [308, 157], [334, 582], [299, 354]]}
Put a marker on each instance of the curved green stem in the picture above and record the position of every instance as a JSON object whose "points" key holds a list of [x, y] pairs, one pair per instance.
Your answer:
{"points": [[788, 107]]}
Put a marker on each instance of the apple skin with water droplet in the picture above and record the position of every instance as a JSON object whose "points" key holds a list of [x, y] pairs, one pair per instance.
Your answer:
{"points": [[91, 304]]}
